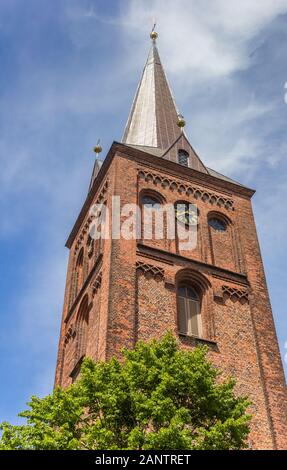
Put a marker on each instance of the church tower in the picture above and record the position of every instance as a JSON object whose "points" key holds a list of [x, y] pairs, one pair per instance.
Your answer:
{"points": [[123, 289]]}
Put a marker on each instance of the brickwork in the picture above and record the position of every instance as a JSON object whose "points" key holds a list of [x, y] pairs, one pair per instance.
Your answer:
{"points": [[132, 285]]}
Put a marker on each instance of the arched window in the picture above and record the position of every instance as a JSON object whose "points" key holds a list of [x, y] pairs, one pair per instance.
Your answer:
{"points": [[217, 224], [82, 328], [77, 276], [79, 270], [189, 307], [183, 157], [150, 201], [152, 217], [222, 241], [80, 259]]}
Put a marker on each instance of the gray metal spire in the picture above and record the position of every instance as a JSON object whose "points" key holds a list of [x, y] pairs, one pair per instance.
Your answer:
{"points": [[154, 115]]}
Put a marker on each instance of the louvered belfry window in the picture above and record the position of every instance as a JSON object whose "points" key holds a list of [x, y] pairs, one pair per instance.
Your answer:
{"points": [[189, 311], [183, 157]]}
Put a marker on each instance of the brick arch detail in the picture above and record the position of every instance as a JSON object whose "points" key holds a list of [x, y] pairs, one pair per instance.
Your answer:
{"points": [[152, 193], [187, 188]]}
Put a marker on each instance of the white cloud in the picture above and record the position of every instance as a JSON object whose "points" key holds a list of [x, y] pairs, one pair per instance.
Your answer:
{"points": [[226, 136], [209, 38]]}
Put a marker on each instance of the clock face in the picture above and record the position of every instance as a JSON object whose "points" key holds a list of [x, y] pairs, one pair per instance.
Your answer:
{"points": [[186, 213]]}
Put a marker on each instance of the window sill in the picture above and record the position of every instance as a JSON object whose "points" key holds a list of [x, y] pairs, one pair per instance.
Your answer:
{"points": [[197, 339]]}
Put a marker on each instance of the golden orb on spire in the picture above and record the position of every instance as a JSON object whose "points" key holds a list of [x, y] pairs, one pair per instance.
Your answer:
{"points": [[98, 148], [154, 35], [181, 121]]}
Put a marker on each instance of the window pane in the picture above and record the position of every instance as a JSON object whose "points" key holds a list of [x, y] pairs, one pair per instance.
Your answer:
{"points": [[189, 319], [188, 292], [182, 291], [217, 224], [193, 327], [182, 315], [150, 201], [191, 293]]}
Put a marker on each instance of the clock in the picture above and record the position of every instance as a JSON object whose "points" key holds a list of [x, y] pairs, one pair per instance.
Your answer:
{"points": [[186, 213]]}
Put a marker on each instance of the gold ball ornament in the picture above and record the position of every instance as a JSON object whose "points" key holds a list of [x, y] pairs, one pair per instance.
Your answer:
{"points": [[181, 122], [153, 35], [97, 149]]}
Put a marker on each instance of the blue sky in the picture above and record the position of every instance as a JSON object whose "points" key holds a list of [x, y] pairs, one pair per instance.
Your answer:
{"points": [[69, 70]]}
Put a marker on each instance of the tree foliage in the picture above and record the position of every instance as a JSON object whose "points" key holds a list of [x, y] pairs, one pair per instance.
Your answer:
{"points": [[158, 397]]}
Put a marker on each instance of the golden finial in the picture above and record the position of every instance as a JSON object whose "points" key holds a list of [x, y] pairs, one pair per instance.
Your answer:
{"points": [[153, 34], [98, 148], [180, 121]]}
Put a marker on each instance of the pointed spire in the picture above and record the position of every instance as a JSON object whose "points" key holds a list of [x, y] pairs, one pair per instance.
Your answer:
{"points": [[153, 119]]}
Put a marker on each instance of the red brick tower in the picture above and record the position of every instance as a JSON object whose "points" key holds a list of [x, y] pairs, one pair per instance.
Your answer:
{"points": [[119, 290]]}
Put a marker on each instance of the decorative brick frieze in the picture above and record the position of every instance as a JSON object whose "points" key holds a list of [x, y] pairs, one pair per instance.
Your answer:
{"points": [[150, 270], [187, 189], [232, 293], [85, 230]]}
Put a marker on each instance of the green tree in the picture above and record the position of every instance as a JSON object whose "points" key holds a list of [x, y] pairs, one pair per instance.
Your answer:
{"points": [[158, 397]]}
